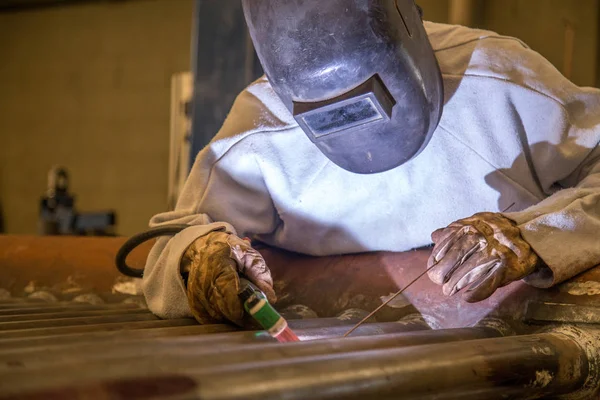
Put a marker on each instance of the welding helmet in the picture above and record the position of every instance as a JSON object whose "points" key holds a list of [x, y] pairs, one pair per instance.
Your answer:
{"points": [[359, 76]]}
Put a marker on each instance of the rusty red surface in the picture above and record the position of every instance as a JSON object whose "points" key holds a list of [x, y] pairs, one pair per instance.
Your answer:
{"points": [[328, 285], [50, 260]]}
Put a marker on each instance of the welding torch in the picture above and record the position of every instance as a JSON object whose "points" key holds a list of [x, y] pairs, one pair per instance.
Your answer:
{"points": [[256, 305]]}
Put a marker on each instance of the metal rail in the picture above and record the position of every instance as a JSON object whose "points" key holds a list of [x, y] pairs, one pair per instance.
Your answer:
{"points": [[116, 356]]}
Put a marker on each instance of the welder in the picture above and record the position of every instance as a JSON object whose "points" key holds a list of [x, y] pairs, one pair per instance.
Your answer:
{"points": [[370, 130]]}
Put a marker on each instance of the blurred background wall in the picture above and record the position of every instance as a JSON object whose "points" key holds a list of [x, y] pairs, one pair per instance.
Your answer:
{"points": [[563, 31], [87, 85]]}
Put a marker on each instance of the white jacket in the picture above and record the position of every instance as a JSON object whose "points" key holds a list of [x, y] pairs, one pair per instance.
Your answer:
{"points": [[514, 133]]}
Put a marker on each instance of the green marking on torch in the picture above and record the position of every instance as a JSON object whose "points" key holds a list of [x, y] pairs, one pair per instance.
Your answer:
{"points": [[256, 304]]}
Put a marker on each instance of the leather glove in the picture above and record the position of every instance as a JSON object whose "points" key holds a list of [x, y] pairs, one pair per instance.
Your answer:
{"points": [[483, 252], [214, 262]]}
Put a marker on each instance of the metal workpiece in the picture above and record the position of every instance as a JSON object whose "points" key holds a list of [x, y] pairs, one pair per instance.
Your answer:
{"points": [[425, 320], [24, 309], [588, 339], [388, 366], [110, 333], [423, 346], [190, 356], [106, 337], [371, 329], [203, 335], [105, 326], [531, 366], [327, 285], [227, 347], [538, 312], [499, 325], [35, 360], [66, 314], [78, 321], [133, 331]]}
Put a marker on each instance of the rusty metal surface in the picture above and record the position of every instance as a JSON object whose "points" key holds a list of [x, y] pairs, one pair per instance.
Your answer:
{"points": [[176, 349], [149, 323], [403, 359], [83, 316], [67, 333], [366, 277], [38, 354], [28, 308], [109, 337], [53, 259], [485, 370], [327, 285], [544, 313]]}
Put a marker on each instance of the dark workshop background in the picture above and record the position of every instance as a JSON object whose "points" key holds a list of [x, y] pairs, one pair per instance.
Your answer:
{"points": [[86, 84]]}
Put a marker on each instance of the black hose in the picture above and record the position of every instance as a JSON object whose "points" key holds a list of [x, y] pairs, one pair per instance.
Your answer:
{"points": [[138, 239]]}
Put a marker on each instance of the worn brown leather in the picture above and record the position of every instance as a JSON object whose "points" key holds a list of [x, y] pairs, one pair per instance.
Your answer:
{"points": [[480, 254], [214, 263]]}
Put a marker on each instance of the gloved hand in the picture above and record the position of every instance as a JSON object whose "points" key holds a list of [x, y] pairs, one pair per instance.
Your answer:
{"points": [[483, 252], [214, 262]]}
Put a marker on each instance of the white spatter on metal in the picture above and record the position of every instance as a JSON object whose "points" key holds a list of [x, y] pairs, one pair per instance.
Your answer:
{"points": [[89, 298], [399, 301], [497, 324], [30, 288], [426, 320], [545, 350], [542, 379], [43, 295], [300, 310], [589, 288], [130, 286], [589, 340], [352, 314]]}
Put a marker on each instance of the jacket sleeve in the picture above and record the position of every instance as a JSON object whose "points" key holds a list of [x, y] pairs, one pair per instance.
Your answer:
{"points": [[224, 191], [564, 156], [564, 229]]}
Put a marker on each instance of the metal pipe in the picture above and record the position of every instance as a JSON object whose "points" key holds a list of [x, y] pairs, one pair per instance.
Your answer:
{"points": [[69, 314], [530, 366], [215, 349], [72, 322], [27, 308], [311, 330], [197, 354], [107, 336], [111, 332], [533, 365], [112, 326], [307, 329]]}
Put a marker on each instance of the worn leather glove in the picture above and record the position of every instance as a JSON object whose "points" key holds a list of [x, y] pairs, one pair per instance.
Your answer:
{"points": [[214, 262], [483, 252]]}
